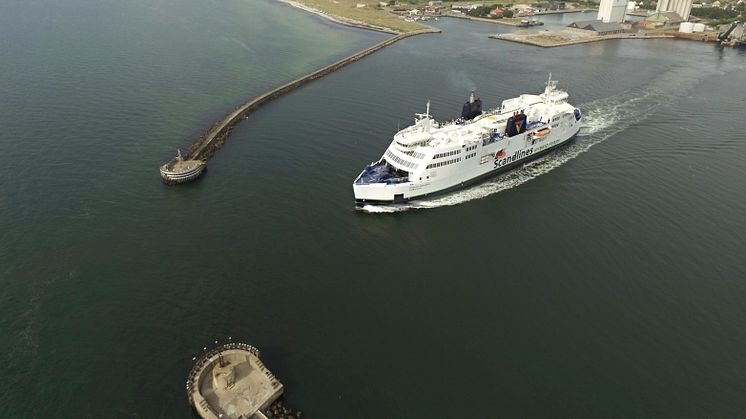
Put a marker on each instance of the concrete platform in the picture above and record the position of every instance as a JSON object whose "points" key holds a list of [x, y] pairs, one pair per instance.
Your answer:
{"points": [[549, 39], [232, 382], [180, 170]]}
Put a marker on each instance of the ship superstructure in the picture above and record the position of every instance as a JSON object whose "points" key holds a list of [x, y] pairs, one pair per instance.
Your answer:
{"points": [[430, 157]]}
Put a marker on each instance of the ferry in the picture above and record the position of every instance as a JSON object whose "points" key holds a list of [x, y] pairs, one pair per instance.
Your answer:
{"points": [[430, 158]]}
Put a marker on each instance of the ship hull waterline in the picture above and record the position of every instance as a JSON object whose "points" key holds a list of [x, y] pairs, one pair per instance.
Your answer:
{"points": [[471, 182]]}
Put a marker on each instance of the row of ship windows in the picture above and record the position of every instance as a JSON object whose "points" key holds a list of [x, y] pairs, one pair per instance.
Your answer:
{"points": [[399, 160], [411, 145], [443, 163], [418, 156], [446, 154], [468, 156], [472, 147]]}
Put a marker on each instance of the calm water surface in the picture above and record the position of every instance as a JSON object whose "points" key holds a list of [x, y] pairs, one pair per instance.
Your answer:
{"points": [[605, 280]]}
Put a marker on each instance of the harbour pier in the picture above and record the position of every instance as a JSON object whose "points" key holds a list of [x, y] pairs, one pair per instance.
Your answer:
{"points": [[561, 38], [205, 146]]}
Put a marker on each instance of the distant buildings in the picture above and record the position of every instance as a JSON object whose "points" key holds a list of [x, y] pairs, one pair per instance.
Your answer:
{"points": [[496, 12], [465, 7], [612, 11], [659, 19], [680, 7]]}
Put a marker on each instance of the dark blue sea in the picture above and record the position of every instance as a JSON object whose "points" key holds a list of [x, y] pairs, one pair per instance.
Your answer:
{"points": [[605, 280]]}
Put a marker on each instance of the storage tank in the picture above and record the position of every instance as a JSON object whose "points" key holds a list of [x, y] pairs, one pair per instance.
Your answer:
{"points": [[686, 27], [699, 27]]}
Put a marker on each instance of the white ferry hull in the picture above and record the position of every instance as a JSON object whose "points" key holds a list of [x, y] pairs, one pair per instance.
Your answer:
{"points": [[381, 194], [430, 158]]}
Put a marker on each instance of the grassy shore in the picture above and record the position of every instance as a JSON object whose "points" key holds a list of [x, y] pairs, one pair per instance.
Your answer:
{"points": [[507, 21], [368, 16]]}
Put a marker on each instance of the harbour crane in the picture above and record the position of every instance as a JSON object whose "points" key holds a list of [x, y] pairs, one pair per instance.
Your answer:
{"points": [[724, 37]]}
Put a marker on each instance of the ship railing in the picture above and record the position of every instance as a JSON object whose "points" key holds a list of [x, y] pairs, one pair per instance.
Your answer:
{"points": [[491, 137], [388, 181], [396, 180], [536, 125]]}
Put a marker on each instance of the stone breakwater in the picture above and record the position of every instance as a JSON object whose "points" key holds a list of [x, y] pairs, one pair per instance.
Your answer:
{"points": [[278, 410], [206, 145]]}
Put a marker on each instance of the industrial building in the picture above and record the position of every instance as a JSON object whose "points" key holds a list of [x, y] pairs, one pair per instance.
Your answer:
{"points": [[680, 7], [597, 27], [612, 11]]}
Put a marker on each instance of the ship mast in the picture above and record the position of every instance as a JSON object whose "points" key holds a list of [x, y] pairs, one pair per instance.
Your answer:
{"points": [[424, 118]]}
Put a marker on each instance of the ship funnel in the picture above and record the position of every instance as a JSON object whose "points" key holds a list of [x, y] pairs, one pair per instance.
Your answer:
{"points": [[472, 108]]}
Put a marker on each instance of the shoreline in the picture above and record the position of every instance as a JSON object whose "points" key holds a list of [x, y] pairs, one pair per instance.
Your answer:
{"points": [[486, 20], [561, 12], [341, 20]]}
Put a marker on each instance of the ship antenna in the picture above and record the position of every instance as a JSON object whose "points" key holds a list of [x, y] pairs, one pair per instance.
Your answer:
{"points": [[427, 111], [550, 79]]}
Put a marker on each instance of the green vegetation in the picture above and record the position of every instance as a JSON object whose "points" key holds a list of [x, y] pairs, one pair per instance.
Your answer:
{"points": [[647, 5], [370, 15], [484, 11], [714, 13], [718, 16], [585, 5]]}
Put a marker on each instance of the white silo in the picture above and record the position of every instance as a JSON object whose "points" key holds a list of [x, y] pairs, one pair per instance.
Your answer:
{"points": [[686, 27], [612, 11]]}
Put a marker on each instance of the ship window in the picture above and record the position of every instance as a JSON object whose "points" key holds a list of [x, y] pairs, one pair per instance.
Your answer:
{"points": [[446, 154], [399, 160], [443, 163]]}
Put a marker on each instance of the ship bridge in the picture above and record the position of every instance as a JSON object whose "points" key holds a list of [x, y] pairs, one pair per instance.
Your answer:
{"points": [[552, 95]]}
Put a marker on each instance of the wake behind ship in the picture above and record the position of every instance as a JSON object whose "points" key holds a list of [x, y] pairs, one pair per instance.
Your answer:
{"points": [[429, 158]]}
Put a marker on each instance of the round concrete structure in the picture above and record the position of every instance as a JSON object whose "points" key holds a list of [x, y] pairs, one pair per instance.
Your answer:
{"points": [[231, 381], [180, 170]]}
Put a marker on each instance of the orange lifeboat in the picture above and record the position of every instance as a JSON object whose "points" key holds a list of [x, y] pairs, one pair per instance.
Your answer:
{"points": [[542, 132]]}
